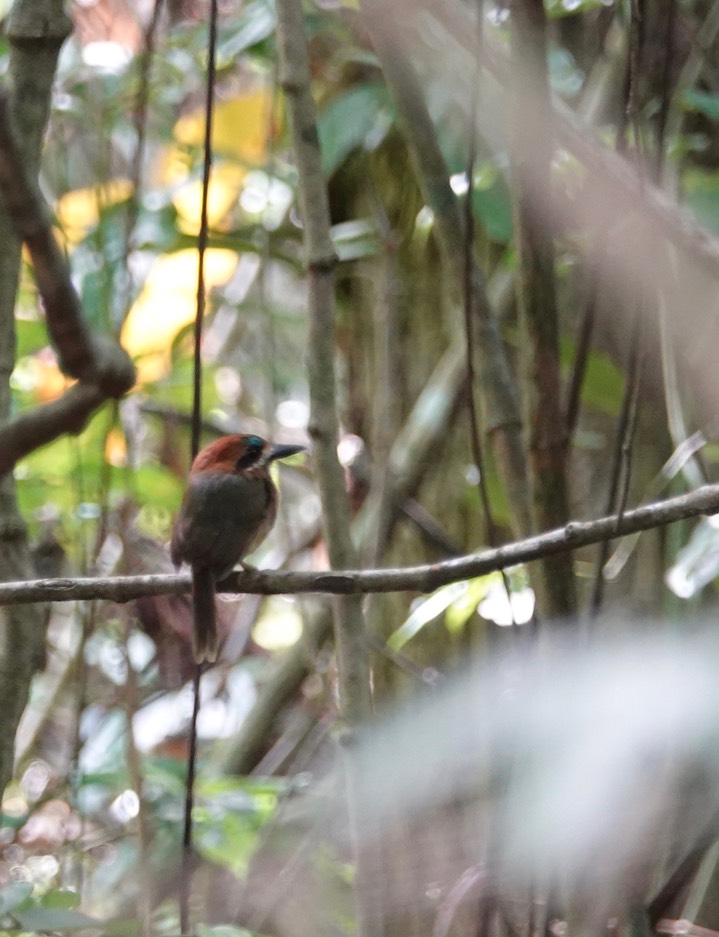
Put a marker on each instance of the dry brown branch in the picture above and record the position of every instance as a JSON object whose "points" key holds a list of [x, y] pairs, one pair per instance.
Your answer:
{"points": [[102, 367], [37, 427]]}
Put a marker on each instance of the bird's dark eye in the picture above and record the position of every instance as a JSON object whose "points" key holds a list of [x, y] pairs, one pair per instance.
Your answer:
{"points": [[253, 450]]}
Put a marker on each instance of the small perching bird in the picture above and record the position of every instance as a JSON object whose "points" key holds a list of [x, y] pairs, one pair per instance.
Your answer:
{"points": [[229, 507]]}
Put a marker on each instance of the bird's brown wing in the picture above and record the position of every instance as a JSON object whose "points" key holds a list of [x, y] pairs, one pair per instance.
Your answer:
{"points": [[222, 517]]}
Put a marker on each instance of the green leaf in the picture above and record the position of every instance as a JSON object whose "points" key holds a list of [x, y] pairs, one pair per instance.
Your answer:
{"points": [[493, 206], [231, 784], [603, 385], [558, 8], [460, 611], [13, 896], [122, 927], [355, 239], [701, 191], [223, 930], [54, 919], [165, 775], [60, 898], [230, 816], [156, 228], [424, 611], [254, 24], [603, 381], [564, 75], [701, 102], [103, 778], [229, 842], [31, 336], [358, 117], [158, 486]]}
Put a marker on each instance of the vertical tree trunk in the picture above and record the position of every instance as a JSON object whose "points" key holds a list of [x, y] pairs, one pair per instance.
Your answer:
{"points": [[36, 30]]}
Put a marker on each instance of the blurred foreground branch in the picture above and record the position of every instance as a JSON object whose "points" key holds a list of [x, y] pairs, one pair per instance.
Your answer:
{"points": [[426, 578], [349, 628]]}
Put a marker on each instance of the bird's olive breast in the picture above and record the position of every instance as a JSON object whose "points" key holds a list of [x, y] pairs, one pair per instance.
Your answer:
{"points": [[221, 496], [223, 518]]}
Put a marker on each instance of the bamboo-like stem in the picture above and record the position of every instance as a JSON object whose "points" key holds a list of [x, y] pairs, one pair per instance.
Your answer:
{"points": [[531, 152], [353, 664], [501, 407], [323, 427]]}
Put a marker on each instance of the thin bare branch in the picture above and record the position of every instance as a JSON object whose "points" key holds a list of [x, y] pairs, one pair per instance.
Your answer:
{"points": [[35, 428], [426, 578]]}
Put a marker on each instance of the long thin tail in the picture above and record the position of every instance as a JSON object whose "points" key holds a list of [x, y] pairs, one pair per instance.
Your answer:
{"points": [[204, 635]]}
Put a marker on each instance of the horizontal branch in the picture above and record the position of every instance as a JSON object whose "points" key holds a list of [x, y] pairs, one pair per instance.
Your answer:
{"points": [[37, 427], [576, 534]]}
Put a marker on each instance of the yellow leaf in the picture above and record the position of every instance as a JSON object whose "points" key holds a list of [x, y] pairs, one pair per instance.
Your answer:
{"points": [[224, 189], [279, 625], [116, 448], [167, 304], [240, 126], [51, 382], [79, 210]]}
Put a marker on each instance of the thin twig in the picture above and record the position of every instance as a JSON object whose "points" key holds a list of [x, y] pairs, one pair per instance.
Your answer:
{"points": [[187, 857], [468, 297], [203, 234], [385, 415], [475, 433], [140, 119], [584, 341], [619, 470], [620, 475], [665, 92], [186, 870], [630, 437]]}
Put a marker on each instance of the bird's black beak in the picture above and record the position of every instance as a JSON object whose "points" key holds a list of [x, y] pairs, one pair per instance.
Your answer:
{"points": [[282, 452]]}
